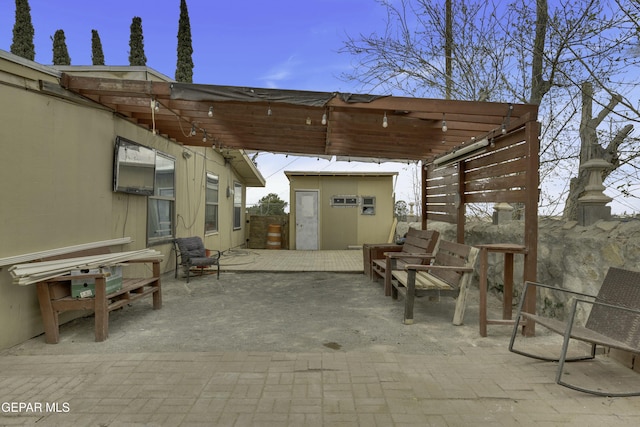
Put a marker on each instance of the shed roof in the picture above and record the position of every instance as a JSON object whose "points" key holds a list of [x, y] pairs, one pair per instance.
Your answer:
{"points": [[289, 174]]}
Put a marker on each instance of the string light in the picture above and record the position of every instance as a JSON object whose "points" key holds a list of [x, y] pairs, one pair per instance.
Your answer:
{"points": [[444, 124], [210, 113], [193, 130], [324, 118], [308, 121], [269, 111], [204, 137], [385, 123], [156, 107]]}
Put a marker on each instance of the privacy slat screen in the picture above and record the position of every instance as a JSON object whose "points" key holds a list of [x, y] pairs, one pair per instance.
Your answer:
{"points": [[497, 173]]}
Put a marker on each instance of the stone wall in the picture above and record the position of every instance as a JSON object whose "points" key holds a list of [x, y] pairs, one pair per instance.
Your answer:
{"points": [[569, 255]]}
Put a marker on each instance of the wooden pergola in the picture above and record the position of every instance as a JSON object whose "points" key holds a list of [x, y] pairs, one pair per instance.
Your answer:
{"points": [[472, 152]]}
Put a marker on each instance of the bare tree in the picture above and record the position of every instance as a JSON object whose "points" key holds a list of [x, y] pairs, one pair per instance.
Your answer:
{"points": [[516, 52]]}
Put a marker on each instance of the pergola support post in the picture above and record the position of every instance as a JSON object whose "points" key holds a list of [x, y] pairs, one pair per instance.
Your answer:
{"points": [[531, 217]]}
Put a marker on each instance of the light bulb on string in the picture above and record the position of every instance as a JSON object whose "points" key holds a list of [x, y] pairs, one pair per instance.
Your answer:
{"points": [[193, 130], [156, 106], [324, 118], [210, 113], [204, 136], [385, 123], [444, 124]]}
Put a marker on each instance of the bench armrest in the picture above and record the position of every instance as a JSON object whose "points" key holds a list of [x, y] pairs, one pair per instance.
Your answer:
{"points": [[409, 255], [420, 267], [391, 249]]}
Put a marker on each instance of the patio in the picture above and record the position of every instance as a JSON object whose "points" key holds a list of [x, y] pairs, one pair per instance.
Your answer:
{"points": [[287, 348], [256, 260]]}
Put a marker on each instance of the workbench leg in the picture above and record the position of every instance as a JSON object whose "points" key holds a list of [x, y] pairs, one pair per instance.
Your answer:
{"points": [[507, 300], [484, 265], [49, 315], [157, 295], [100, 309]]}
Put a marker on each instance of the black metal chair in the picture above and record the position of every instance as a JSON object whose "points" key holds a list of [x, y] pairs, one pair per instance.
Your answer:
{"points": [[613, 322], [190, 252]]}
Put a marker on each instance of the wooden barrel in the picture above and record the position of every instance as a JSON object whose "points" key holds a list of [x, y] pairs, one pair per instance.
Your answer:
{"points": [[274, 236]]}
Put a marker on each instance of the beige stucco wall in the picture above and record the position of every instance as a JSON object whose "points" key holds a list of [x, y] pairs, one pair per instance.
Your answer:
{"points": [[56, 172], [341, 227]]}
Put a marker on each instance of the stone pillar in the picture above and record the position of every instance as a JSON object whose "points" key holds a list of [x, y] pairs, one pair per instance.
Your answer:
{"points": [[592, 205], [502, 213]]}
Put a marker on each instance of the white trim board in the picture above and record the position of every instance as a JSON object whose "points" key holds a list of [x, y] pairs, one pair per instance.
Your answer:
{"points": [[61, 251]]}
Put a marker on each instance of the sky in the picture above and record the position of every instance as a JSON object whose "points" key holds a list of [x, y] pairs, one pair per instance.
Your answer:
{"points": [[283, 44]]}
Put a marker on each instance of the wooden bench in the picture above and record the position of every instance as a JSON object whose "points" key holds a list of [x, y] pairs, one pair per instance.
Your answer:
{"points": [[418, 248], [449, 275], [54, 296]]}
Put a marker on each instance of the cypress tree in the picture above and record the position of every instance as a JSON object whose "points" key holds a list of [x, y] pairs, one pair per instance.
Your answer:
{"points": [[184, 68], [97, 56], [136, 43], [23, 32], [60, 52]]}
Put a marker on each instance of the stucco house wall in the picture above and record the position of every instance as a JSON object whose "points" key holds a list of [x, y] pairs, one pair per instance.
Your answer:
{"points": [[56, 184]]}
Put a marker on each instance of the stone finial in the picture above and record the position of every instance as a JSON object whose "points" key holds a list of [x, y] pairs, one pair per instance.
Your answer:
{"points": [[592, 204], [503, 212]]}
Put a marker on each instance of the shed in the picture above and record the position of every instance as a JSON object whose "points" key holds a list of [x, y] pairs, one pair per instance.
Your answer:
{"points": [[339, 210]]}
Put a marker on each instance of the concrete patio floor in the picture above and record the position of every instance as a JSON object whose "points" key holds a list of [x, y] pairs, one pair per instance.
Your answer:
{"points": [[308, 347], [256, 260]]}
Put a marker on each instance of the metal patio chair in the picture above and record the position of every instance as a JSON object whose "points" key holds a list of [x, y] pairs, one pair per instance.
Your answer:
{"points": [[613, 322], [190, 252]]}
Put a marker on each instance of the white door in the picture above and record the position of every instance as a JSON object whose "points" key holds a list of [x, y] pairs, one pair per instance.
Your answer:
{"points": [[307, 220]]}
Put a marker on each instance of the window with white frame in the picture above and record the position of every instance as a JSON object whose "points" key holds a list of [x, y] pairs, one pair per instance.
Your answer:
{"points": [[211, 204], [237, 205], [344, 201], [368, 205], [161, 205]]}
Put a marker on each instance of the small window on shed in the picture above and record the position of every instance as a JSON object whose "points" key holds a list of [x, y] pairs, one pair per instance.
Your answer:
{"points": [[368, 205], [344, 201]]}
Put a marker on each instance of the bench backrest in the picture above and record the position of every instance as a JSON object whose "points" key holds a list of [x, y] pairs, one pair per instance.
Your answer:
{"points": [[454, 255], [420, 242], [621, 288]]}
